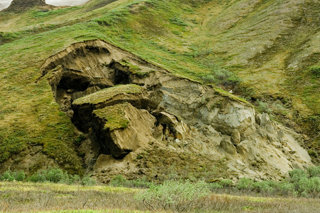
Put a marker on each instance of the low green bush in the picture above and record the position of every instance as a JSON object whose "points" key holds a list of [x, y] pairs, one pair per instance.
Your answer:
{"points": [[88, 181], [263, 187], [214, 186], [296, 175], [315, 71], [53, 175], [13, 176], [245, 184], [120, 181], [284, 188], [305, 183], [226, 183], [314, 171], [178, 196]]}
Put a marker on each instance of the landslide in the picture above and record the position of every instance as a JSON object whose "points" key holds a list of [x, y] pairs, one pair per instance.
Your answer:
{"points": [[140, 120], [236, 45]]}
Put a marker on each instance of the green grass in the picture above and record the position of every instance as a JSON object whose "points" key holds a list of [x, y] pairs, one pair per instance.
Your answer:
{"points": [[177, 196], [114, 116], [108, 93], [97, 211]]}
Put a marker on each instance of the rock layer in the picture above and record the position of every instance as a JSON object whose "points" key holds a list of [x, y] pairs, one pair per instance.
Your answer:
{"points": [[142, 120], [20, 5]]}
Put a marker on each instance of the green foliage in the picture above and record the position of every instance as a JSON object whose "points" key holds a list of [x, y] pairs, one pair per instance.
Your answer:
{"points": [[220, 76], [263, 107], [315, 71], [263, 187], [50, 175], [300, 183], [114, 116], [214, 186], [120, 181], [8, 176], [45, 13], [8, 36], [178, 21], [314, 171], [284, 188], [297, 174], [88, 181], [13, 176], [177, 196], [11, 143], [20, 176], [245, 184], [226, 183], [63, 154], [308, 186], [55, 175]]}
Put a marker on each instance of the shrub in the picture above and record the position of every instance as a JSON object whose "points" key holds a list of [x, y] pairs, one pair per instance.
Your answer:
{"points": [[140, 183], [177, 21], [177, 196], [74, 179], [13, 176], [20, 176], [215, 186], [88, 181], [245, 184], [8, 176], [118, 180], [315, 71], [37, 177], [50, 175], [296, 175], [308, 186], [263, 187], [314, 171], [284, 188], [56, 175], [263, 107], [226, 183]]}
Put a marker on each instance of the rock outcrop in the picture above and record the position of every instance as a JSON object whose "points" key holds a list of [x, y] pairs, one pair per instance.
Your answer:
{"points": [[140, 119], [20, 5]]}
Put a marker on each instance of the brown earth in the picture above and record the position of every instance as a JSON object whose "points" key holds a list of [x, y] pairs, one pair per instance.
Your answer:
{"points": [[140, 120]]}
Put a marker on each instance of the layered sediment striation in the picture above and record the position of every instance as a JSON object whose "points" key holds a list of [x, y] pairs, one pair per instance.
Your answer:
{"points": [[141, 120]]}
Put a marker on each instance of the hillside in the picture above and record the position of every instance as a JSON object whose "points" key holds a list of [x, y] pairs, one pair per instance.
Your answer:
{"points": [[264, 51]]}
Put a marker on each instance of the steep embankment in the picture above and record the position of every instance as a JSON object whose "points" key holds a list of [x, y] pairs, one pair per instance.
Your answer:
{"points": [[206, 41], [138, 119]]}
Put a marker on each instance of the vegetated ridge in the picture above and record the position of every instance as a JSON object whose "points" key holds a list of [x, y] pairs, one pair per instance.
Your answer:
{"points": [[193, 39]]}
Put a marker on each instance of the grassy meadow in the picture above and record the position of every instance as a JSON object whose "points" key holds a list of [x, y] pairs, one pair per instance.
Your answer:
{"points": [[55, 190], [61, 198]]}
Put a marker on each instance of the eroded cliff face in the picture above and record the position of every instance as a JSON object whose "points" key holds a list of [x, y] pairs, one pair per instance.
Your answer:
{"points": [[140, 120], [21, 5]]}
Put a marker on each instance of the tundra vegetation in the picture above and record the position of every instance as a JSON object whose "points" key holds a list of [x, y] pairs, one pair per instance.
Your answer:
{"points": [[55, 190], [234, 45]]}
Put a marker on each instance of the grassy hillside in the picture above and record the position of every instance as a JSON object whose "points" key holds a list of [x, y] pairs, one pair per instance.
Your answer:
{"points": [[260, 49]]}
